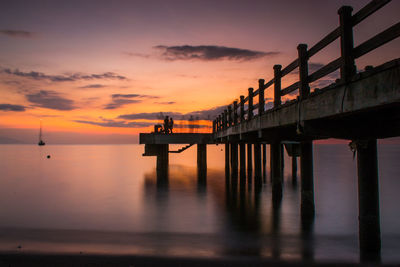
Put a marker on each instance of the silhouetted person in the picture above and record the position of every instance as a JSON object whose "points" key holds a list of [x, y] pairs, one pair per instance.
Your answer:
{"points": [[191, 124], [171, 124], [166, 124], [196, 124]]}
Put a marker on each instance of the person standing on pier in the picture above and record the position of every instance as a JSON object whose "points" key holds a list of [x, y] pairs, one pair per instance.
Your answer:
{"points": [[166, 124], [171, 124]]}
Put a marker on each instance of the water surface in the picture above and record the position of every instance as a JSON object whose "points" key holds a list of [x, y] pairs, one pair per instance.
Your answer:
{"points": [[107, 199]]}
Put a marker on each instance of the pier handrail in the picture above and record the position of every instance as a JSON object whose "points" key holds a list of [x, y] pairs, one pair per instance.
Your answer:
{"points": [[346, 63]]}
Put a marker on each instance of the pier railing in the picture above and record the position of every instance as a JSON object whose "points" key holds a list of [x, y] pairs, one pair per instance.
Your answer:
{"points": [[244, 109]]}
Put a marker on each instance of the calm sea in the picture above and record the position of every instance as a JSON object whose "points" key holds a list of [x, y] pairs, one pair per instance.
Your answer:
{"points": [[106, 199]]}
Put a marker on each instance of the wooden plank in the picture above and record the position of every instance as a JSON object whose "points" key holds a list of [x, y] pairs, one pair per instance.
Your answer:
{"points": [[290, 67], [325, 70], [255, 93], [378, 40], [367, 10], [290, 89], [268, 84], [332, 36]]}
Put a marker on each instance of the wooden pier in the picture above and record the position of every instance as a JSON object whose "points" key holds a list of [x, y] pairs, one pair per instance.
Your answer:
{"points": [[360, 107]]}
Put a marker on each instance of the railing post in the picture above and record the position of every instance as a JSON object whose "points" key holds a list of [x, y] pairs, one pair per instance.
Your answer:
{"points": [[214, 123], [250, 105], [219, 122], [235, 115], [304, 88], [241, 108], [229, 115], [225, 119], [277, 85], [261, 100], [348, 68]]}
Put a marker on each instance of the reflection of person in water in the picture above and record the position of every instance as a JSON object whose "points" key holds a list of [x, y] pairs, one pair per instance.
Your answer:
{"points": [[171, 124], [166, 122]]}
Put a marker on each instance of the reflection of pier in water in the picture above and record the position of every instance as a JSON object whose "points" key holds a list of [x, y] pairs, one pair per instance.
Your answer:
{"points": [[360, 107], [253, 228]]}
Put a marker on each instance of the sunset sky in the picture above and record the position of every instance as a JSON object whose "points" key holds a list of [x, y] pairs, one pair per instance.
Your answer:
{"points": [[102, 71]]}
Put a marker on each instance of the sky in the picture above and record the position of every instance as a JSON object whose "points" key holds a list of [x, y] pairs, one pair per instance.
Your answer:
{"points": [[103, 71]]}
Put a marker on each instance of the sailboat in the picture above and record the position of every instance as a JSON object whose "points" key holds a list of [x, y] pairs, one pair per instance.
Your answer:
{"points": [[41, 142]]}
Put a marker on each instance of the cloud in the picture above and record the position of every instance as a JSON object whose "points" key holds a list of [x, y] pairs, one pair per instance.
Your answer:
{"points": [[206, 114], [62, 78], [119, 124], [119, 100], [149, 116], [209, 53], [50, 100], [130, 54], [165, 103], [117, 103], [10, 107], [18, 33], [96, 85], [132, 96]]}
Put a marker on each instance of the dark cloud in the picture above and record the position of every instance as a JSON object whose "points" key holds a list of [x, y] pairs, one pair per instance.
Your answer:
{"points": [[209, 53], [117, 103], [141, 124], [132, 96], [165, 103], [119, 124], [50, 100], [149, 116], [96, 85], [119, 100], [62, 78], [18, 33], [206, 114], [10, 107]]}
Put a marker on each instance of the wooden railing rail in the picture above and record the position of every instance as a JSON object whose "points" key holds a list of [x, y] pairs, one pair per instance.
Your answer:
{"points": [[237, 112]]}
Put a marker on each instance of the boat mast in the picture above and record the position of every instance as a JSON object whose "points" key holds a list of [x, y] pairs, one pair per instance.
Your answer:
{"points": [[40, 131]]}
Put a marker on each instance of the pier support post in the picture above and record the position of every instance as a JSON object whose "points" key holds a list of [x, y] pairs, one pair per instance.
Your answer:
{"points": [[202, 162], [162, 163], [234, 160], [257, 164], [264, 162], [276, 170], [307, 180], [368, 201], [227, 165], [294, 169], [242, 161], [249, 162]]}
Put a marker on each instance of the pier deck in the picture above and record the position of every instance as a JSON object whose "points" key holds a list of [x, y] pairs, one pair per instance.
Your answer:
{"points": [[176, 138]]}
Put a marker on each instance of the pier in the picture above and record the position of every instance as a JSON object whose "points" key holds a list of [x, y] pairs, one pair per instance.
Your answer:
{"points": [[360, 106]]}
